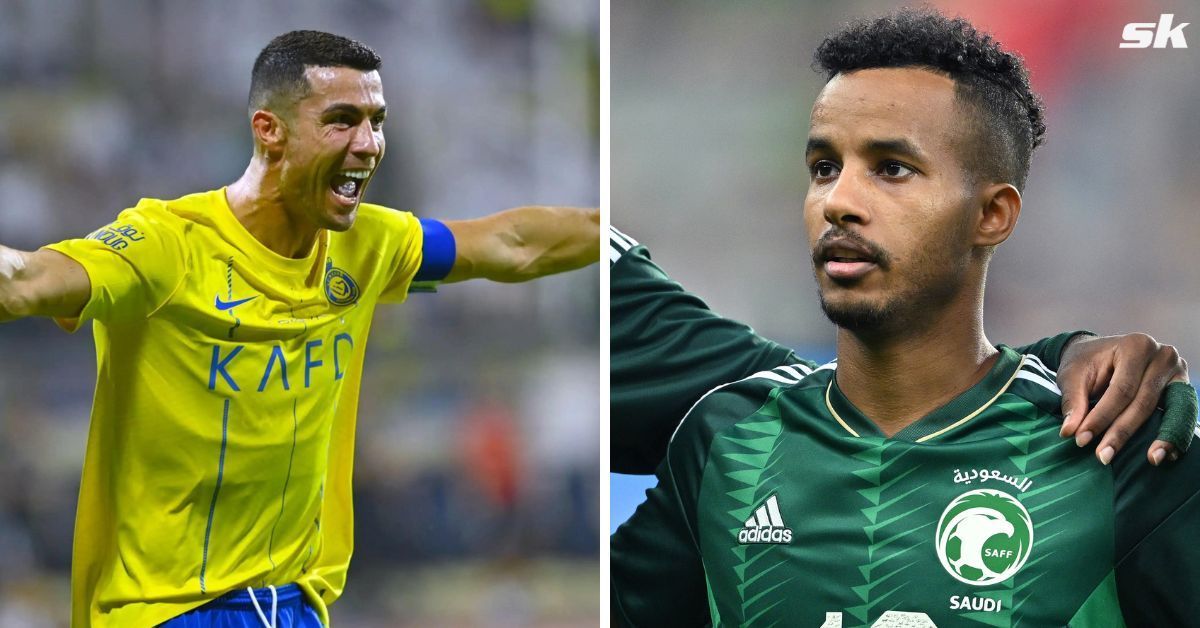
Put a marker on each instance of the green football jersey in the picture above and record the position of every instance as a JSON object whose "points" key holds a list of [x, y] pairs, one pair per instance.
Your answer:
{"points": [[668, 349], [780, 504]]}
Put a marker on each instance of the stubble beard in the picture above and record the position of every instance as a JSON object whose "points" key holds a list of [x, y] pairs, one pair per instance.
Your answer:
{"points": [[906, 309], [861, 316]]}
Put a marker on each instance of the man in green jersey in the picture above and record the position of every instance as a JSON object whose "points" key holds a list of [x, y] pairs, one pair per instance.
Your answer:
{"points": [[919, 479], [668, 349]]}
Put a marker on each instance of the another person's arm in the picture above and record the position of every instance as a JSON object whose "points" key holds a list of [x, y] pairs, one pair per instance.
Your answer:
{"points": [[524, 243], [1129, 374]]}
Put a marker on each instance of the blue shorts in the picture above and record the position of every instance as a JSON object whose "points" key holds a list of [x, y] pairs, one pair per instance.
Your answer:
{"points": [[236, 610]]}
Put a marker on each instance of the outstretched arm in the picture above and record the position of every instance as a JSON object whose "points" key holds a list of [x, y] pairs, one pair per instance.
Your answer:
{"points": [[41, 283], [525, 243]]}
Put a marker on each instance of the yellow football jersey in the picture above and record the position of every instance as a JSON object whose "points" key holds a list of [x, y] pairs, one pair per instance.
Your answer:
{"points": [[222, 431]]}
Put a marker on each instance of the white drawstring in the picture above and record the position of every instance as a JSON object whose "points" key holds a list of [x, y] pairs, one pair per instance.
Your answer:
{"points": [[257, 608]]}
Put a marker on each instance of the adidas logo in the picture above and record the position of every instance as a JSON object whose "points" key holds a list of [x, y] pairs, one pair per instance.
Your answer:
{"points": [[766, 526]]}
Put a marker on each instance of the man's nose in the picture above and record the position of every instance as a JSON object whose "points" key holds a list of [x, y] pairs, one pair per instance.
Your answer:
{"points": [[366, 141], [846, 202]]}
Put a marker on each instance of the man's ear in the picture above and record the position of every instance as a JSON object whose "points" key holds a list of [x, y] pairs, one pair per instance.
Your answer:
{"points": [[1000, 205], [270, 132]]}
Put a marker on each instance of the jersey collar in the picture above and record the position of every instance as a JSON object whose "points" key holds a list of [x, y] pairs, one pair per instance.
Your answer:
{"points": [[236, 232], [958, 411]]}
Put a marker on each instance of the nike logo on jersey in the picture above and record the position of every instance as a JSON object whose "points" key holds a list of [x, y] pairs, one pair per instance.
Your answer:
{"points": [[766, 526], [229, 305]]}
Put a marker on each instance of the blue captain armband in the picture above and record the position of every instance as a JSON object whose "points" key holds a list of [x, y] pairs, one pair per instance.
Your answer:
{"points": [[438, 252]]}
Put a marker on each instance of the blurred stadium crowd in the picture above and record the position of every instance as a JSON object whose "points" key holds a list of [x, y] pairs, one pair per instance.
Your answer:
{"points": [[708, 155], [477, 489]]}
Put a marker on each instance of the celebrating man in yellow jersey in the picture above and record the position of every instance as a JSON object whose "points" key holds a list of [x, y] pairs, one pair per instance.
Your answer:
{"points": [[230, 329]]}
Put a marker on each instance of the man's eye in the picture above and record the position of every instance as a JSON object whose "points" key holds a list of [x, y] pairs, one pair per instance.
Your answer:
{"points": [[823, 169], [377, 123], [895, 169]]}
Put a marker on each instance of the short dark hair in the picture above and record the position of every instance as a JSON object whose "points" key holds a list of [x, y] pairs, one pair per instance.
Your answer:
{"points": [[994, 82], [279, 68]]}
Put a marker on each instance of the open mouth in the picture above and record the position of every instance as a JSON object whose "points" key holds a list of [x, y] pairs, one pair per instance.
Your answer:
{"points": [[347, 185], [843, 254]]}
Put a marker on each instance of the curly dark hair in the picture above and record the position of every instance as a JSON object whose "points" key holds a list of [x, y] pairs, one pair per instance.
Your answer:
{"points": [[279, 69], [1008, 120]]}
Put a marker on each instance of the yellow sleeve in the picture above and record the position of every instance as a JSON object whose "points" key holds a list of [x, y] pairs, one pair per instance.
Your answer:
{"points": [[135, 264], [400, 241]]}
